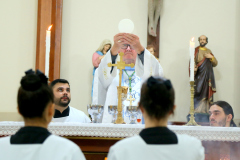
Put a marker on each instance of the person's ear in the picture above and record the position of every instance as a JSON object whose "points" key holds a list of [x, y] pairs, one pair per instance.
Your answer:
{"points": [[229, 118], [51, 109], [172, 112], [174, 107], [141, 108], [18, 110]]}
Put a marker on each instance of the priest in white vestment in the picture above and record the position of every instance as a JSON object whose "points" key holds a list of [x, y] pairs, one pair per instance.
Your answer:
{"points": [[106, 78]]}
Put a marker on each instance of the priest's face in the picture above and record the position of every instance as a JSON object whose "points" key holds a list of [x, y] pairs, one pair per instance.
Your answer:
{"points": [[217, 116], [62, 95], [203, 41], [130, 54]]}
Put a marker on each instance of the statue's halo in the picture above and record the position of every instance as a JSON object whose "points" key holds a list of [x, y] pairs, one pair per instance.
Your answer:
{"points": [[126, 26]]}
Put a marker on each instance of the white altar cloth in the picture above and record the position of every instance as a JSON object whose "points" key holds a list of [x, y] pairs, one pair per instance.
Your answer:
{"points": [[204, 133]]}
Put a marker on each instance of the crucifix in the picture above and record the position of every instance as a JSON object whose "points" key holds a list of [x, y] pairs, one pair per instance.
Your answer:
{"points": [[122, 90], [130, 99], [153, 35]]}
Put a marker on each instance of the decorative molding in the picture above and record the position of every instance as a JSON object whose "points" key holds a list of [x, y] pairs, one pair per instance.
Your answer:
{"points": [[118, 131]]}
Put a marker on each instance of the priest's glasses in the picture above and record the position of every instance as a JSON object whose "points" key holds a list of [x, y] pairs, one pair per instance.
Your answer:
{"points": [[96, 112], [134, 113], [113, 111]]}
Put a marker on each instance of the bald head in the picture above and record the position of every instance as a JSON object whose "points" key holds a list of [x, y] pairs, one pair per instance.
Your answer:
{"points": [[203, 40]]}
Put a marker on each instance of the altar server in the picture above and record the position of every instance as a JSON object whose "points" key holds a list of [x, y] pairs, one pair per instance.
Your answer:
{"points": [[34, 141], [106, 79], [62, 98], [156, 141]]}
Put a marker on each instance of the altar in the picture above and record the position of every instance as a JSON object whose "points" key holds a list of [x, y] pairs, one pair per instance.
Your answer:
{"points": [[95, 139]]}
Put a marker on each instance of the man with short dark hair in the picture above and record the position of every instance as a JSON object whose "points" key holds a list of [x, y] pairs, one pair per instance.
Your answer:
{"points": [[221, 115], [62, 97]]}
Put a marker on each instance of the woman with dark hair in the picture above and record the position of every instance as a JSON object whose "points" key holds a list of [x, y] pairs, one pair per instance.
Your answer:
{"points": [[34, 141], [156, 141], [221, 115]]}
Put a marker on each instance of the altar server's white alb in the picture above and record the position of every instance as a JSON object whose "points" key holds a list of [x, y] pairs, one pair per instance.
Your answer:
{"points": [[188, 148], [54, 147]]}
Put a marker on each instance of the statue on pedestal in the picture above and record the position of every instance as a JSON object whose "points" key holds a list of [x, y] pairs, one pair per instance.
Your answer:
{"points": [[204, 79]]}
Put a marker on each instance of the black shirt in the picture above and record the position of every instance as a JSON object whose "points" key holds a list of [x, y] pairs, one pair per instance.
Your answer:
{"points": [[30, 135], [65, 113], [158, 135]]}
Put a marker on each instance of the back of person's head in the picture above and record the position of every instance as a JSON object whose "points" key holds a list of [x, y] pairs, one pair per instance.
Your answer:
{"points": [[157, 97], [34, 94], [59, 81], [227, 110]]}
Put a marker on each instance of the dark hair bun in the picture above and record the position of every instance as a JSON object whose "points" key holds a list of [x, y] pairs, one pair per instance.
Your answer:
{"points": [[157, 97], [152, 83], [31, 82]]}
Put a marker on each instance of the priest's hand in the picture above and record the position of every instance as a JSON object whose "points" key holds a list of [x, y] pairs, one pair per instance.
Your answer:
{"points": [[126, 38], [119, 40], [208, 55], [134, 42]]}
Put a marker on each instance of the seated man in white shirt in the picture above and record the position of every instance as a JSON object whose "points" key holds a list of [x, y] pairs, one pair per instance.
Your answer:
{"points": [[62, 97], [34, 141]]}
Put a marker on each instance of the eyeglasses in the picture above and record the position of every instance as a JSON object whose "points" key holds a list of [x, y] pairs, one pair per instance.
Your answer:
{"points": [[125, 46]]}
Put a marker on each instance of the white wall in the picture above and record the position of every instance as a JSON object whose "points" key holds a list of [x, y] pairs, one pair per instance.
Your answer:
{"points": [[236, 90], [85, 25], [18, 28], [219, 21]]}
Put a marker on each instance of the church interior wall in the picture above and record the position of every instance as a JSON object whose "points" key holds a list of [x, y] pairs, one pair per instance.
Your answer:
{"points": [[18, 30], [236, 90], [87, 23]]}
